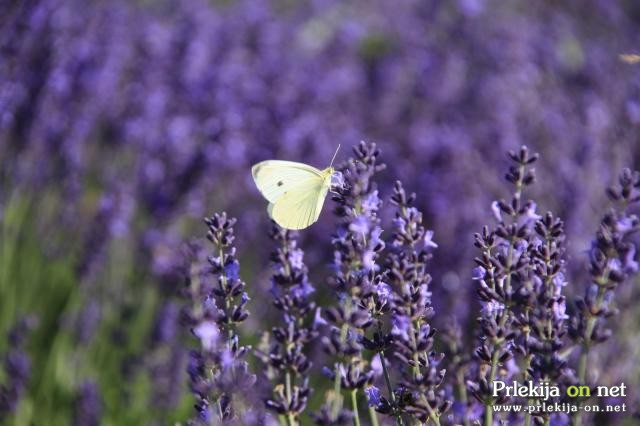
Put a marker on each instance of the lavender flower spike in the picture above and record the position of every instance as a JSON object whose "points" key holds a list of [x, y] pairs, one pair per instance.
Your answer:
{"points": [[357, 244], [502, 274], [419, 394], [283, 352], [543, 318], [612, 262], [219, 377]]}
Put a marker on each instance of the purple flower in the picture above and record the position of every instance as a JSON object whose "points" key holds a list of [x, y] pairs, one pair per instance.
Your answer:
{"points": [[296, 258], [530, 212], [383, 291], [227, 360], [371, 203], [428, 240], [559, 309], [302, 290], [559, 282], [373, 396], [512, 368], [614, 265], [369, 260], [244, 299], [232, 270], [166, 324], [327, 372], [629, 262], [207, 332], [401, 326], [376, 366], [492, 307], [375, 241], [423, 291], [360, 225], [625, 224], [399, 222], [497, 213], [478, 273], [317, 319]]}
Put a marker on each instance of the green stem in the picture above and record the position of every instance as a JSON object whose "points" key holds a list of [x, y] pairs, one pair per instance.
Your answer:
{"points": [[290, 416], [337, 384], [586, 346], [527, 415], [337, 401], [354, 407], [414, 343], [488, 413], [287, 379], [387, 380], [488, 416], [527, 364], [373, 416], [433, 415], [462, 391], [582, 366]]}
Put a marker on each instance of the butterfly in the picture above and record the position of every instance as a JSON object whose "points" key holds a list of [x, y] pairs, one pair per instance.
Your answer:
{"points": [[295, 191]]}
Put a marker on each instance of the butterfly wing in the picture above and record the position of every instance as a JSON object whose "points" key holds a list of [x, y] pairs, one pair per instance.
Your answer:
{"points": [[275, 177], [301, 206]]}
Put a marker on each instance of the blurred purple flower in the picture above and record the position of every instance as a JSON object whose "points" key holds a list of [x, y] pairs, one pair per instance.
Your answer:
{"points": [[17, 366], [88, 405]]}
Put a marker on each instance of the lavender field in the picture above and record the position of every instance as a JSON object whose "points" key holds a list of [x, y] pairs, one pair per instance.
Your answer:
{"points": [[486, 228]]}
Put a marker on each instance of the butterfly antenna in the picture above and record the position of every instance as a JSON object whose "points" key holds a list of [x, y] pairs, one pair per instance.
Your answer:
{"points": [[334, 155]]}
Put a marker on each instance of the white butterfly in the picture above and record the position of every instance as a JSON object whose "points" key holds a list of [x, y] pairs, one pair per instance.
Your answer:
{"points": [[295, 191]]}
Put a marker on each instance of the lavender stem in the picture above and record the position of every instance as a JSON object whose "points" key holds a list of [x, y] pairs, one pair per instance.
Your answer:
{"points": [[354, 407]]}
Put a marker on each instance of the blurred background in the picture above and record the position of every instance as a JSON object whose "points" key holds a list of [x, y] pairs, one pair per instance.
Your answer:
{"points": [[124, 123]]}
